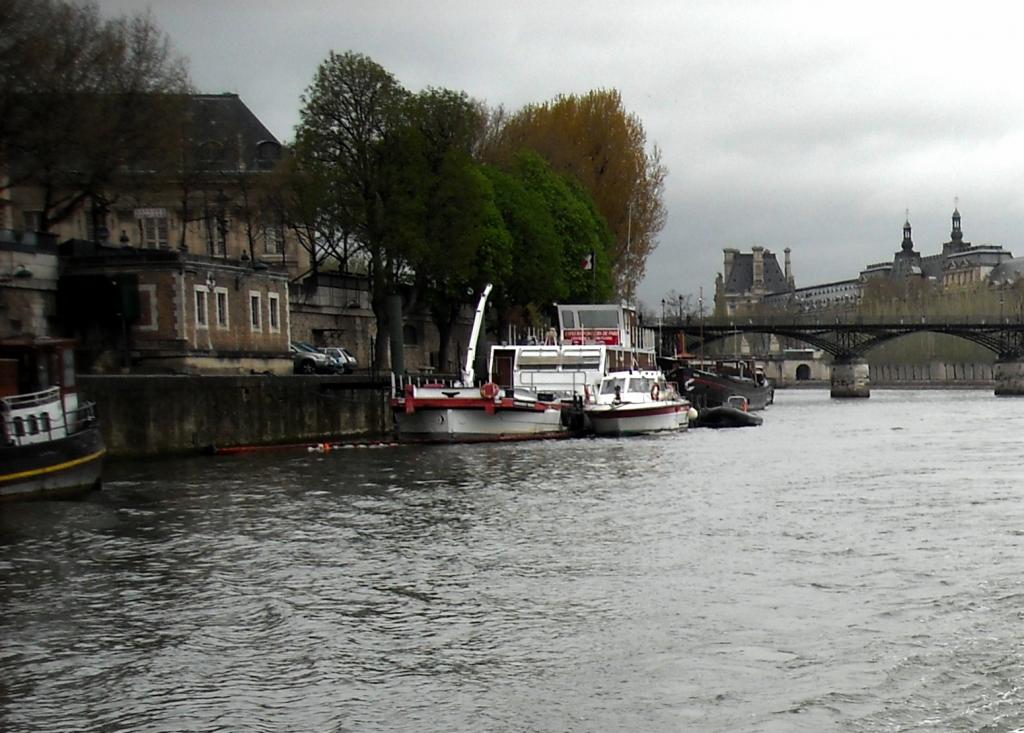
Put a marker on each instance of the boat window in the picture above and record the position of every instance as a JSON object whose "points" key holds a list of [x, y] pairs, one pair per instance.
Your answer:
{"points": [[609, 385], [640, 384], [608, 318], [33, 425], [44, 422], [19, 427], [579, 363]]}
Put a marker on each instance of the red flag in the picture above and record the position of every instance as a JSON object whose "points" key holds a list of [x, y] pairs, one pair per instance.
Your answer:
{"points": [[587, 263]]}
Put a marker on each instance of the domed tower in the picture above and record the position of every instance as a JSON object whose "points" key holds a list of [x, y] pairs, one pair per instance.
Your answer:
{"points": [[907, 262], [908, 243], [956, 241]]}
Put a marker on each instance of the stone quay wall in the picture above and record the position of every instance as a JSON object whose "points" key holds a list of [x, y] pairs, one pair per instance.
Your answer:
{"points": [[166, 415]]}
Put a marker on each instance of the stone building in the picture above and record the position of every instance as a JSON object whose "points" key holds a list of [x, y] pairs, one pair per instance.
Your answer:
{"points": [[184, 270], [28, 283], [960, 264], [747, 279]]}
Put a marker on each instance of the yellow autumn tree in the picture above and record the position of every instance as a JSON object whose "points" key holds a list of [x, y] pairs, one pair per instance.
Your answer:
{"points": [[594, 139]]}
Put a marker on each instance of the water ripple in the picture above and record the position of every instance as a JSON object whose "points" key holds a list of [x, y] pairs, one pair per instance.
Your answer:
{"points": [[846, 566]]}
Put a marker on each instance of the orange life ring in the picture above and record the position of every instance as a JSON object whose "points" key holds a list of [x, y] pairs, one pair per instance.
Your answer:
{"points": [[655, 392], [489, 390]]}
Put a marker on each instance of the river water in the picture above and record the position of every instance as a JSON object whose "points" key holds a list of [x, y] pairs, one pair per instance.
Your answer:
{"points": [[849, 565]]}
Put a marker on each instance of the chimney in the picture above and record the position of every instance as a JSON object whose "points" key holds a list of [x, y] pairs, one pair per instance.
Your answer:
{"points": [[789, 271], [758, 284], [730, 254]]}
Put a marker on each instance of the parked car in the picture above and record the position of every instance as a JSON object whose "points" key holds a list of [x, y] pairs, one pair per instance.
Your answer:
{"points": [[343, 356], [307, 359]]}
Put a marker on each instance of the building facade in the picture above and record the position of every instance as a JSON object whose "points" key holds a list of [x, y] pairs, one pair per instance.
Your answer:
{"points": [[184, 270]]}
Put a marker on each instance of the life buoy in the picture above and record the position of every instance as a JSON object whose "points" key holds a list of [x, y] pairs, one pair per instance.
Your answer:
{"points": [[655, 392], [489, 390]]}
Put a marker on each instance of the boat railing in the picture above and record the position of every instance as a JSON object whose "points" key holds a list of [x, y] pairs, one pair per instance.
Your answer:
{"points": [[32, 399], [565, 385], [399, 382], [24, 426]]}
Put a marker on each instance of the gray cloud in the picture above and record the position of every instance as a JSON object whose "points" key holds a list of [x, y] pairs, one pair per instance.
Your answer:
{"points": [[793, 123]]}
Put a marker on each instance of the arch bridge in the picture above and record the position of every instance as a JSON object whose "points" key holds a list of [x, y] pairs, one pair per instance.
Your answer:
{"points": [[848, 343]]}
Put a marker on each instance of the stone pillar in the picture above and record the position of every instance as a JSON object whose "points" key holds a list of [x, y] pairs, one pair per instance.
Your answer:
{"points": [[397, 342], [1009, 377], [850, 378]]}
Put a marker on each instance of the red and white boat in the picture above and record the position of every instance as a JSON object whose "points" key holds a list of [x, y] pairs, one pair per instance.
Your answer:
{"points": [[464, 412], [634, 402]]}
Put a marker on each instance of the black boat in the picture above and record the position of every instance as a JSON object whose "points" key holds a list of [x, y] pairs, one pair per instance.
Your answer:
{"points": [[712, 383], [733, 414], [50, 441]]}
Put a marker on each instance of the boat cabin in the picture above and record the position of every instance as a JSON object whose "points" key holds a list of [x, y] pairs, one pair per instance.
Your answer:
{"points": [[38, 390], [591, 341]]}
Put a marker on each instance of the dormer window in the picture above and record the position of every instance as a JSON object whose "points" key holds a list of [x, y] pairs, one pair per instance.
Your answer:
{"points": [[211, 151], [268, 152]]}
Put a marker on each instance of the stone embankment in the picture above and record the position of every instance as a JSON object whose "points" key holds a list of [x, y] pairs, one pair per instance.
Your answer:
{"points": [[167, 415]]}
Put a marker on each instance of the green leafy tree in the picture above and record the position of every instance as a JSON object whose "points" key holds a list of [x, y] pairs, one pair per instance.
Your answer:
{"points": [[536, 252], [461, 243], [350, 128], [581, 230], [595, 140]]}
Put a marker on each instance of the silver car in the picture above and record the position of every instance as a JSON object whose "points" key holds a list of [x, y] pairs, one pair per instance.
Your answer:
{"points": [[345, 358], [306, 359]]}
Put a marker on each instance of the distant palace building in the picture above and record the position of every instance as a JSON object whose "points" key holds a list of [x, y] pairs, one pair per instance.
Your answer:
{"points": [[959, 264], [750, 279]]}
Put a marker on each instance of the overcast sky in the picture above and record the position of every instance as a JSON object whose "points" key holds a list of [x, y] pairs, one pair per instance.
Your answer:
{"points": [[811, 125]]}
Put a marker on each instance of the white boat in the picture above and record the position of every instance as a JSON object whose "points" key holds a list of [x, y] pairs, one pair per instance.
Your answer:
{"points": [[634, 402], [463, 412], [50, 441], [591, 341]]}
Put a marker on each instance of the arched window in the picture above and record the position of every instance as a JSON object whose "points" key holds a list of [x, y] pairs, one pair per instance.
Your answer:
{"points": [[267, 153], [211, 151]]}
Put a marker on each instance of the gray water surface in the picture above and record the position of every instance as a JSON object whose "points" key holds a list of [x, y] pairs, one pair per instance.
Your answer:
{"points": [[848, 565]]}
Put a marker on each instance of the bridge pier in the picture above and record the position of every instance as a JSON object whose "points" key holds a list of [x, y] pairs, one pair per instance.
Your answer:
{"points": [[1009, 377], [850, 378]]}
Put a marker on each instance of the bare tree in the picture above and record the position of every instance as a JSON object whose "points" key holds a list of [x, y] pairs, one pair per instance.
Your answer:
{"points": [[79, 95]]}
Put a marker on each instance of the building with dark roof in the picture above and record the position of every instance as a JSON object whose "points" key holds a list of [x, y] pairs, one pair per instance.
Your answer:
{"points": [[747, 279], [226, 135], [196, 254]]}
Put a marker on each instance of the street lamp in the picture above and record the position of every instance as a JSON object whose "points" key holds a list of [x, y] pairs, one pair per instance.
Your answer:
{"points": [[661, 322], [700, 306]]}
